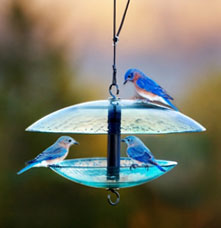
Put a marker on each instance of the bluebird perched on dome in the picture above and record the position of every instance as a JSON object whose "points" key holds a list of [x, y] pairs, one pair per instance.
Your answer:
{"points": [[52, 155], [148, 89], [136, 150]]}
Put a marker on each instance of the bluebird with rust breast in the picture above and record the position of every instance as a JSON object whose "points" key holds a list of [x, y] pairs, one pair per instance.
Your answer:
{"points": [[136, 150], [148, 89], [52, 155]]}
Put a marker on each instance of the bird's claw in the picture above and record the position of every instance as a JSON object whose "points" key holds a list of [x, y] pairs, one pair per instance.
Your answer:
{"points": [[146, 166], [141, 100], [133, 166]]}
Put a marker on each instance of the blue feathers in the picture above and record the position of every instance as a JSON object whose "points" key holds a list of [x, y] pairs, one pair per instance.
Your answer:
{"points": [[53, 154], [137, 151], [153, 162], [149, 85], [170, 104], [148, 89], [26, 168]]}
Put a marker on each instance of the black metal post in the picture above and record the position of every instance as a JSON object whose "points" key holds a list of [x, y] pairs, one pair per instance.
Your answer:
{"points": [[114, 115], [113, 150]]}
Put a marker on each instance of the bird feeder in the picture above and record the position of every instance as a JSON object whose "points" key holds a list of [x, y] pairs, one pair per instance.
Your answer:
{"points": [[114, 117]]}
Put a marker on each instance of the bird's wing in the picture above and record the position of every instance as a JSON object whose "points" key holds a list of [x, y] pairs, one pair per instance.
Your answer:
{"points": [[151, 86], [49, 154], [139, 153]]}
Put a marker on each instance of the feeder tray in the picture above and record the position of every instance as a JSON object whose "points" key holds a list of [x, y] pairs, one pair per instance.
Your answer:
{"points": [[93, 172]]}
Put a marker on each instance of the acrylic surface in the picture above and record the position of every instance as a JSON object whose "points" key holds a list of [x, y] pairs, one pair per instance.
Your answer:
{"points": [[93, 172], [136, 118]]}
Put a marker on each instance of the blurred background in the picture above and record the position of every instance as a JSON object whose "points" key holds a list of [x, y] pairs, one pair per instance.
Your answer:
{"points": [[58, 53]]}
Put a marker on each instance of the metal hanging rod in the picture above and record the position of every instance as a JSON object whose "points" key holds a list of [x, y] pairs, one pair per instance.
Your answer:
{"points": [[115, 40]]}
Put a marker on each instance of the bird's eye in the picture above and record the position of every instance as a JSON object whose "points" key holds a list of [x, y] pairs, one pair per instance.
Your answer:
{"points": [[69, 140], [129, 76]]}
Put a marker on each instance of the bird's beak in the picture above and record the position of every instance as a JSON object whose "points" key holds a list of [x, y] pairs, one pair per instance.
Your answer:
{"points": [[123, 140], [125, 82], [76, 143]]}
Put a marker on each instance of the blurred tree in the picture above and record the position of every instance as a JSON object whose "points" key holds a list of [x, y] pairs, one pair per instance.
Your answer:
{"points": [[35, 79], [190, 194]]}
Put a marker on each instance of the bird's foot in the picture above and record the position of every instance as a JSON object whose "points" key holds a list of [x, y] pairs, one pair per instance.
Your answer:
{"points": [[141, 100], [133, 166], [146, 166], [54, 166]]}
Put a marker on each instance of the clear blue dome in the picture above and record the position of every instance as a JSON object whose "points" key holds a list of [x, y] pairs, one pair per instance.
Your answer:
{"points": [[136, 118], [93, 172]]}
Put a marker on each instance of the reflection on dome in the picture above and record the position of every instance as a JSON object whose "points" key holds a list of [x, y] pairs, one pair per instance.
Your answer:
{"points": [[136, 118]]}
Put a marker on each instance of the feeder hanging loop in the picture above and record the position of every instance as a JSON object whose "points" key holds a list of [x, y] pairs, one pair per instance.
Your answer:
{"points": [[117, 194], [117, 90]]}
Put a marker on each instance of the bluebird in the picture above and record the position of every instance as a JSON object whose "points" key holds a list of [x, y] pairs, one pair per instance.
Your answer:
{"points": [[52, 155], [148, 89], [136, 150]]}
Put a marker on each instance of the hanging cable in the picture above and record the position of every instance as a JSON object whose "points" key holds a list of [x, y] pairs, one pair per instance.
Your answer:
{"points": [[115, 40], [123, 18]]}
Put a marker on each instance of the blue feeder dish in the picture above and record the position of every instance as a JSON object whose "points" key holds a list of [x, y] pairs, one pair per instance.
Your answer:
{"points": [[137, 117], [93, 172]]}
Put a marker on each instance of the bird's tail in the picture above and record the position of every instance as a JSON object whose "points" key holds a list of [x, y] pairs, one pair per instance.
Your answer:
{"points": [[26, 168], [170, 104], [158, 166]]}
